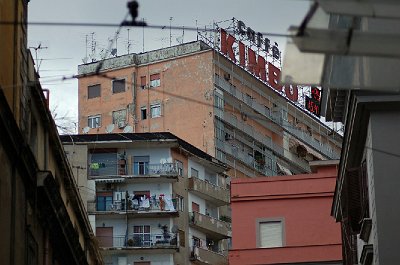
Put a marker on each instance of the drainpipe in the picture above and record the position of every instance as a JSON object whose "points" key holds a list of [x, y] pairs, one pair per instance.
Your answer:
{"points": [[134, 83]]}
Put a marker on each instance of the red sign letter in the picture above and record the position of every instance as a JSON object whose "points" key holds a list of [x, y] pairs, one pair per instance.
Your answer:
{"points": [[273, 76], [226, 45], [257, 67], [241, 54], [292, 92]]}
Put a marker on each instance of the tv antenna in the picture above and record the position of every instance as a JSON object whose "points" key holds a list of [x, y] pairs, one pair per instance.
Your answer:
{"points": [[170, 32], [129, 41], [38, 63], [92, 56]]}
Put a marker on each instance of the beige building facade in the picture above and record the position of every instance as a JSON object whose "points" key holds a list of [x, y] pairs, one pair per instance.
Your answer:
{"points": [[201, 96]]}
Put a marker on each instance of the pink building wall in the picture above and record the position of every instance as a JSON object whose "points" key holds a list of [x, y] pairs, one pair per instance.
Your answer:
{"points": [[303, 202]]}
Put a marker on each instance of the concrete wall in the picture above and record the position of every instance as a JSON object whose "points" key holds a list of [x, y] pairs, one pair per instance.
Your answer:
{"points": [[384, 184]]}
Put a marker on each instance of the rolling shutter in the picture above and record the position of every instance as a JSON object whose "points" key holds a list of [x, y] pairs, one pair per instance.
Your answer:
{"points": [[271, 234]]}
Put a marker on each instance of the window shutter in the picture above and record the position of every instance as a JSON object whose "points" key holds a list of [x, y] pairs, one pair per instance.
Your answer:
{"points": [[353, 189], [271, 234], [154, 77]]}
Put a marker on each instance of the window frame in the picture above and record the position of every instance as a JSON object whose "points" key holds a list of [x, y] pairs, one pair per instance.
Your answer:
{"points": [[154, 106], [114, 120], [194, 170], [91, 86], [143, 117], [117, 80], [155, 82], [260, 221], [93, 117]]}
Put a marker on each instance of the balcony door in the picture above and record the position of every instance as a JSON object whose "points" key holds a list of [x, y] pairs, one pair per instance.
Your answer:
{"points": [[105, 236], [141, 236], [195, 207], [141, 165]]}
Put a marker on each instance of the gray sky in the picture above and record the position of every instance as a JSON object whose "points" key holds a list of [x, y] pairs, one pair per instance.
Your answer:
{"points": [[67, 45]]}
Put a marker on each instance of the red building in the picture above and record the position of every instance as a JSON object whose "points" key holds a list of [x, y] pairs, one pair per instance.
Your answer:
{"points": [[286, 219]]}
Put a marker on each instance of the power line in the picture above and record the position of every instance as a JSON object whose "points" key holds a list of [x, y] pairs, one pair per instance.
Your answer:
{"points": [[149, 26]]}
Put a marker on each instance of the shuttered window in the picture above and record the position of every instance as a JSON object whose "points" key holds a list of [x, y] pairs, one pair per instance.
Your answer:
{"points": [[118, 86], [155, 80], [271, 234], [94, 91], [143, 82]]}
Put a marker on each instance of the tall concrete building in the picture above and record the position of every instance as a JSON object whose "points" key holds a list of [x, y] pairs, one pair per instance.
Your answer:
{"points": [[227, 109], [361, 86], [42, 219], [152, 198]]}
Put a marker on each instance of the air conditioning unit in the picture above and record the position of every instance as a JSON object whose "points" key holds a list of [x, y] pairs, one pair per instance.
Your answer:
{"points": [[121, 124]]}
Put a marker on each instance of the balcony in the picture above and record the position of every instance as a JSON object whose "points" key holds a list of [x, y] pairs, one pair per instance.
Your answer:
{"points": [[204, 189], [151, 207], [134, 171], [238, 95], [214, 228], [140, 243], [204, 257]]}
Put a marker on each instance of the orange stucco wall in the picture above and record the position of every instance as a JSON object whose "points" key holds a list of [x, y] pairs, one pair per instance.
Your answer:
{"points": [[302, 201]]}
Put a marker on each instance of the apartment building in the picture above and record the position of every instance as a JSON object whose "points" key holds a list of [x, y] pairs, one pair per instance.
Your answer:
{"points": [[362, 91], [204, 97], [286, 219], [152, 198], [42, 219]]}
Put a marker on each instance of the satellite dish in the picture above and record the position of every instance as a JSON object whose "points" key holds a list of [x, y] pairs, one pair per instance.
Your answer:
{"points": [[86, 130], [169, 160], [110, 128], [163, 161], [85, 60], [128, 129]]}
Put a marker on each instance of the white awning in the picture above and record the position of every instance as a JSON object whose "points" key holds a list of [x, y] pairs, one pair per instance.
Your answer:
{"points": [[283, 169]]}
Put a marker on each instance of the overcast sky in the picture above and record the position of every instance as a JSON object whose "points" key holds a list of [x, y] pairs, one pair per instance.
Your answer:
{"points": [[66, 46]]}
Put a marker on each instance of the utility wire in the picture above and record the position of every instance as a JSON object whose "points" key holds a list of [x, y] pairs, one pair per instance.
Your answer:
{"points": [[149, 26]]}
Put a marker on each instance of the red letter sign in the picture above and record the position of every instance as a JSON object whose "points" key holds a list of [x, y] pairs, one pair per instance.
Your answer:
{"points": [[226, 45], [292, 92], [257, 67], [273, 76]]}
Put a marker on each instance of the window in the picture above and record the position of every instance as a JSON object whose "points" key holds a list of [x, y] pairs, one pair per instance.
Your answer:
{"points": [[141, 236], [141, 165], [143, 113], [94, 91], [179, 166], [181, 203], [143, 82], [94, 121], [196, 242], [118, 86], [155, 80], [270, 234], [104, 201], [155, 110], [119, 116], [194, 173], [195, 207]]}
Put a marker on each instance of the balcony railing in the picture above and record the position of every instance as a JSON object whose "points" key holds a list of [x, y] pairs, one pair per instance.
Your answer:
{"points": [[165, 240], [323, 148], [205, 256], [216, 194], [135, 170], [209, 225], [152, 204]]}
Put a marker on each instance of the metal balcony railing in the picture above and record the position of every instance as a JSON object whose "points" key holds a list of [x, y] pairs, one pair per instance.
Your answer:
{"points": [[142, 240], [114, 169], [323, 148], [152, 204]]}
